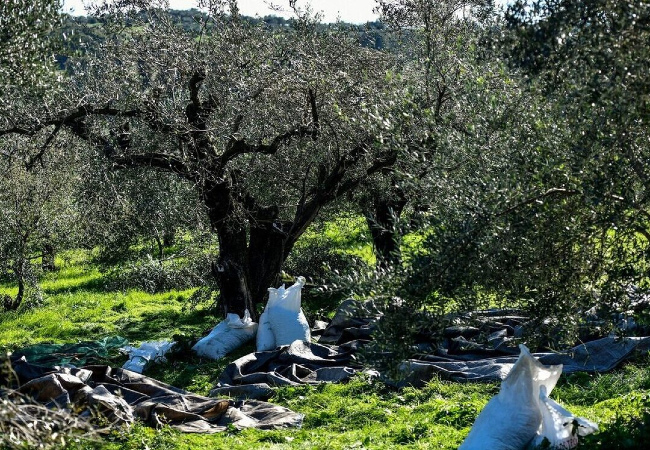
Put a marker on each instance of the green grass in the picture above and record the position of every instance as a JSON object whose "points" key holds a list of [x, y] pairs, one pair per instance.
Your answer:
{"points": [[77, 307], [361, 414]]}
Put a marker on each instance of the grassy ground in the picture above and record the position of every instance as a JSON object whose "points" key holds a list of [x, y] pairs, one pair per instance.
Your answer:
{"points": [[357, 415]]}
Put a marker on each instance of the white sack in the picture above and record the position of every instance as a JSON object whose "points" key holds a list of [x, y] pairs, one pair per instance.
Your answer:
{"points": [[141, 357], [227, 336], [265, 339], [286, 317], [522, 414]]}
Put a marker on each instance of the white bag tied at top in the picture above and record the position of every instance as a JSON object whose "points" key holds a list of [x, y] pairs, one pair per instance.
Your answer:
{"points": [[265, 339], [285, 315], [523, 415], [227, 336]]}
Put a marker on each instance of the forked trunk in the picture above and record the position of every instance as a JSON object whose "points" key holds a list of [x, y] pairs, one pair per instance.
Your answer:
{"points": [[267, 249], [250, 254], [232, 273], [248, 266]]}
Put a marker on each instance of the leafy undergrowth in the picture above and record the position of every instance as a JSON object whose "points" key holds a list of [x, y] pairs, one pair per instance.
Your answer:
{"points": [[361, 414]]}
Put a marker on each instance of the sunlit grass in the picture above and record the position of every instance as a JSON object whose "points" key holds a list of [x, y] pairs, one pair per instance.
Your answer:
{"points": [[77, 307]]}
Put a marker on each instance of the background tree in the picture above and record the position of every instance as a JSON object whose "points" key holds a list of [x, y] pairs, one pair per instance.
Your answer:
{"points": [[436, 47], [28, 42], [121, 209], [549, 212], [589, 61], [36, 211]]}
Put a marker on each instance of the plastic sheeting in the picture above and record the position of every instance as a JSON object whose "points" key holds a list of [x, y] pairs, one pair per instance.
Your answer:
{"points": [[121, 395], [459, 359], [148, 352], [77, 354]]}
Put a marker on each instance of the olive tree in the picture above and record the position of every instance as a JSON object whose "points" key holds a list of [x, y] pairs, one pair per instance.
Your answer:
{"points": [[267, 126], [436, 46], [36, 211], [548, 210], [27, 44], [119, 209], [590, 61]]}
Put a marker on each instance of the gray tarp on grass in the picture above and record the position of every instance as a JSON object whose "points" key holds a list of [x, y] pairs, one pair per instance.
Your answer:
{"points": [[600, 355], [121, 395], [299, 363], [459, 359]]}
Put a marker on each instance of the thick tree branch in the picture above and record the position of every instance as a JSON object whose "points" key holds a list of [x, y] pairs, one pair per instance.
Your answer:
{"points": [[332, 186], [39, 156], [379, 164], [158, 160], [79, 113], [314, 115], [237, 147]]}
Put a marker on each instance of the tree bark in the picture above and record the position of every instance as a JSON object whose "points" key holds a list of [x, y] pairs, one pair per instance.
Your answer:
{"points": [[268, 248], [47, 263], [160, 245], [231, 271], [251, 251], [382, 224], [13, 304], [169, 237], [247, 266]]}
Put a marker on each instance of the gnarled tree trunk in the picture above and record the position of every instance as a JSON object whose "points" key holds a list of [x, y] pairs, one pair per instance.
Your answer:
{"points": [[247, 266], [12, 304], [382, 222], [47, 263]]}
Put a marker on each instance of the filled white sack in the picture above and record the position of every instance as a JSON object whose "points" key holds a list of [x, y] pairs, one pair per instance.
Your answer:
{"points": [[141, 357], [228, 335], [265, 339], [286, 317], [522, 414]]}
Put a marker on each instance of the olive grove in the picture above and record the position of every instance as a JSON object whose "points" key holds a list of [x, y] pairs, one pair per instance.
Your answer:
{"points": [[514, 145]]}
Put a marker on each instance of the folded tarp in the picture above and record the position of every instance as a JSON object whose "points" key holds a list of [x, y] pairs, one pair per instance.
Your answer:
{"points": [[120, 395], [600, 355], [461, 357], [301, 362]]}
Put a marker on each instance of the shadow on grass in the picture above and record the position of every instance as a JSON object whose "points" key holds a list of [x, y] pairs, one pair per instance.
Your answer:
{"points": [[153, 325], [93, 285]]}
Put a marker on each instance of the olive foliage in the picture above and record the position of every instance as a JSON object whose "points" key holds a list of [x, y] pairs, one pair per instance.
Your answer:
{"points": [[37, 213], [551, 215]]}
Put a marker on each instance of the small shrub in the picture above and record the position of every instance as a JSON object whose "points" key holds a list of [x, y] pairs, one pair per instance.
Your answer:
{"points": [[626, 432], [153, 275], [397, 334], [318, 260], [25, 424]]}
